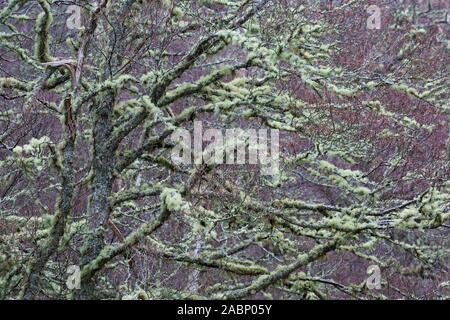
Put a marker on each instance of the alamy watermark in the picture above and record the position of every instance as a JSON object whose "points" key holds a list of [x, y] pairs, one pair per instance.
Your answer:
{"points": [[229, 148], [374, 20], [74, 278], [374, 279], [74, 20]]}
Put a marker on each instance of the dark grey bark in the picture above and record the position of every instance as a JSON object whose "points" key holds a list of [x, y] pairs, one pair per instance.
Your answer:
{"points": [[101, 186]]}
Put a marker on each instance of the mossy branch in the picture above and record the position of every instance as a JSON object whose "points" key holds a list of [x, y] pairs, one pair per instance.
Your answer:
{"points": [[42, 37]]}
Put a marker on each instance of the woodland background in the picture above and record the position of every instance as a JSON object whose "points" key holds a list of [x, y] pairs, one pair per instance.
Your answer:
{"points": [[86, 177]]}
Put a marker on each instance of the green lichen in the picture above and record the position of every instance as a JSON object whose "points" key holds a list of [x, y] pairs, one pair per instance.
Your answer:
{"points": [[42, 37], [172, 200]]}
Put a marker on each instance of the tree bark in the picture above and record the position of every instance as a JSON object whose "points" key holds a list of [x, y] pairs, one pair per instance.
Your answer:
{"points": [[101, 186]]}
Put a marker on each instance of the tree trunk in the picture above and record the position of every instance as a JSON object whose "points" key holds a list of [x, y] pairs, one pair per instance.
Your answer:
{"points": [[101, 186]]}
